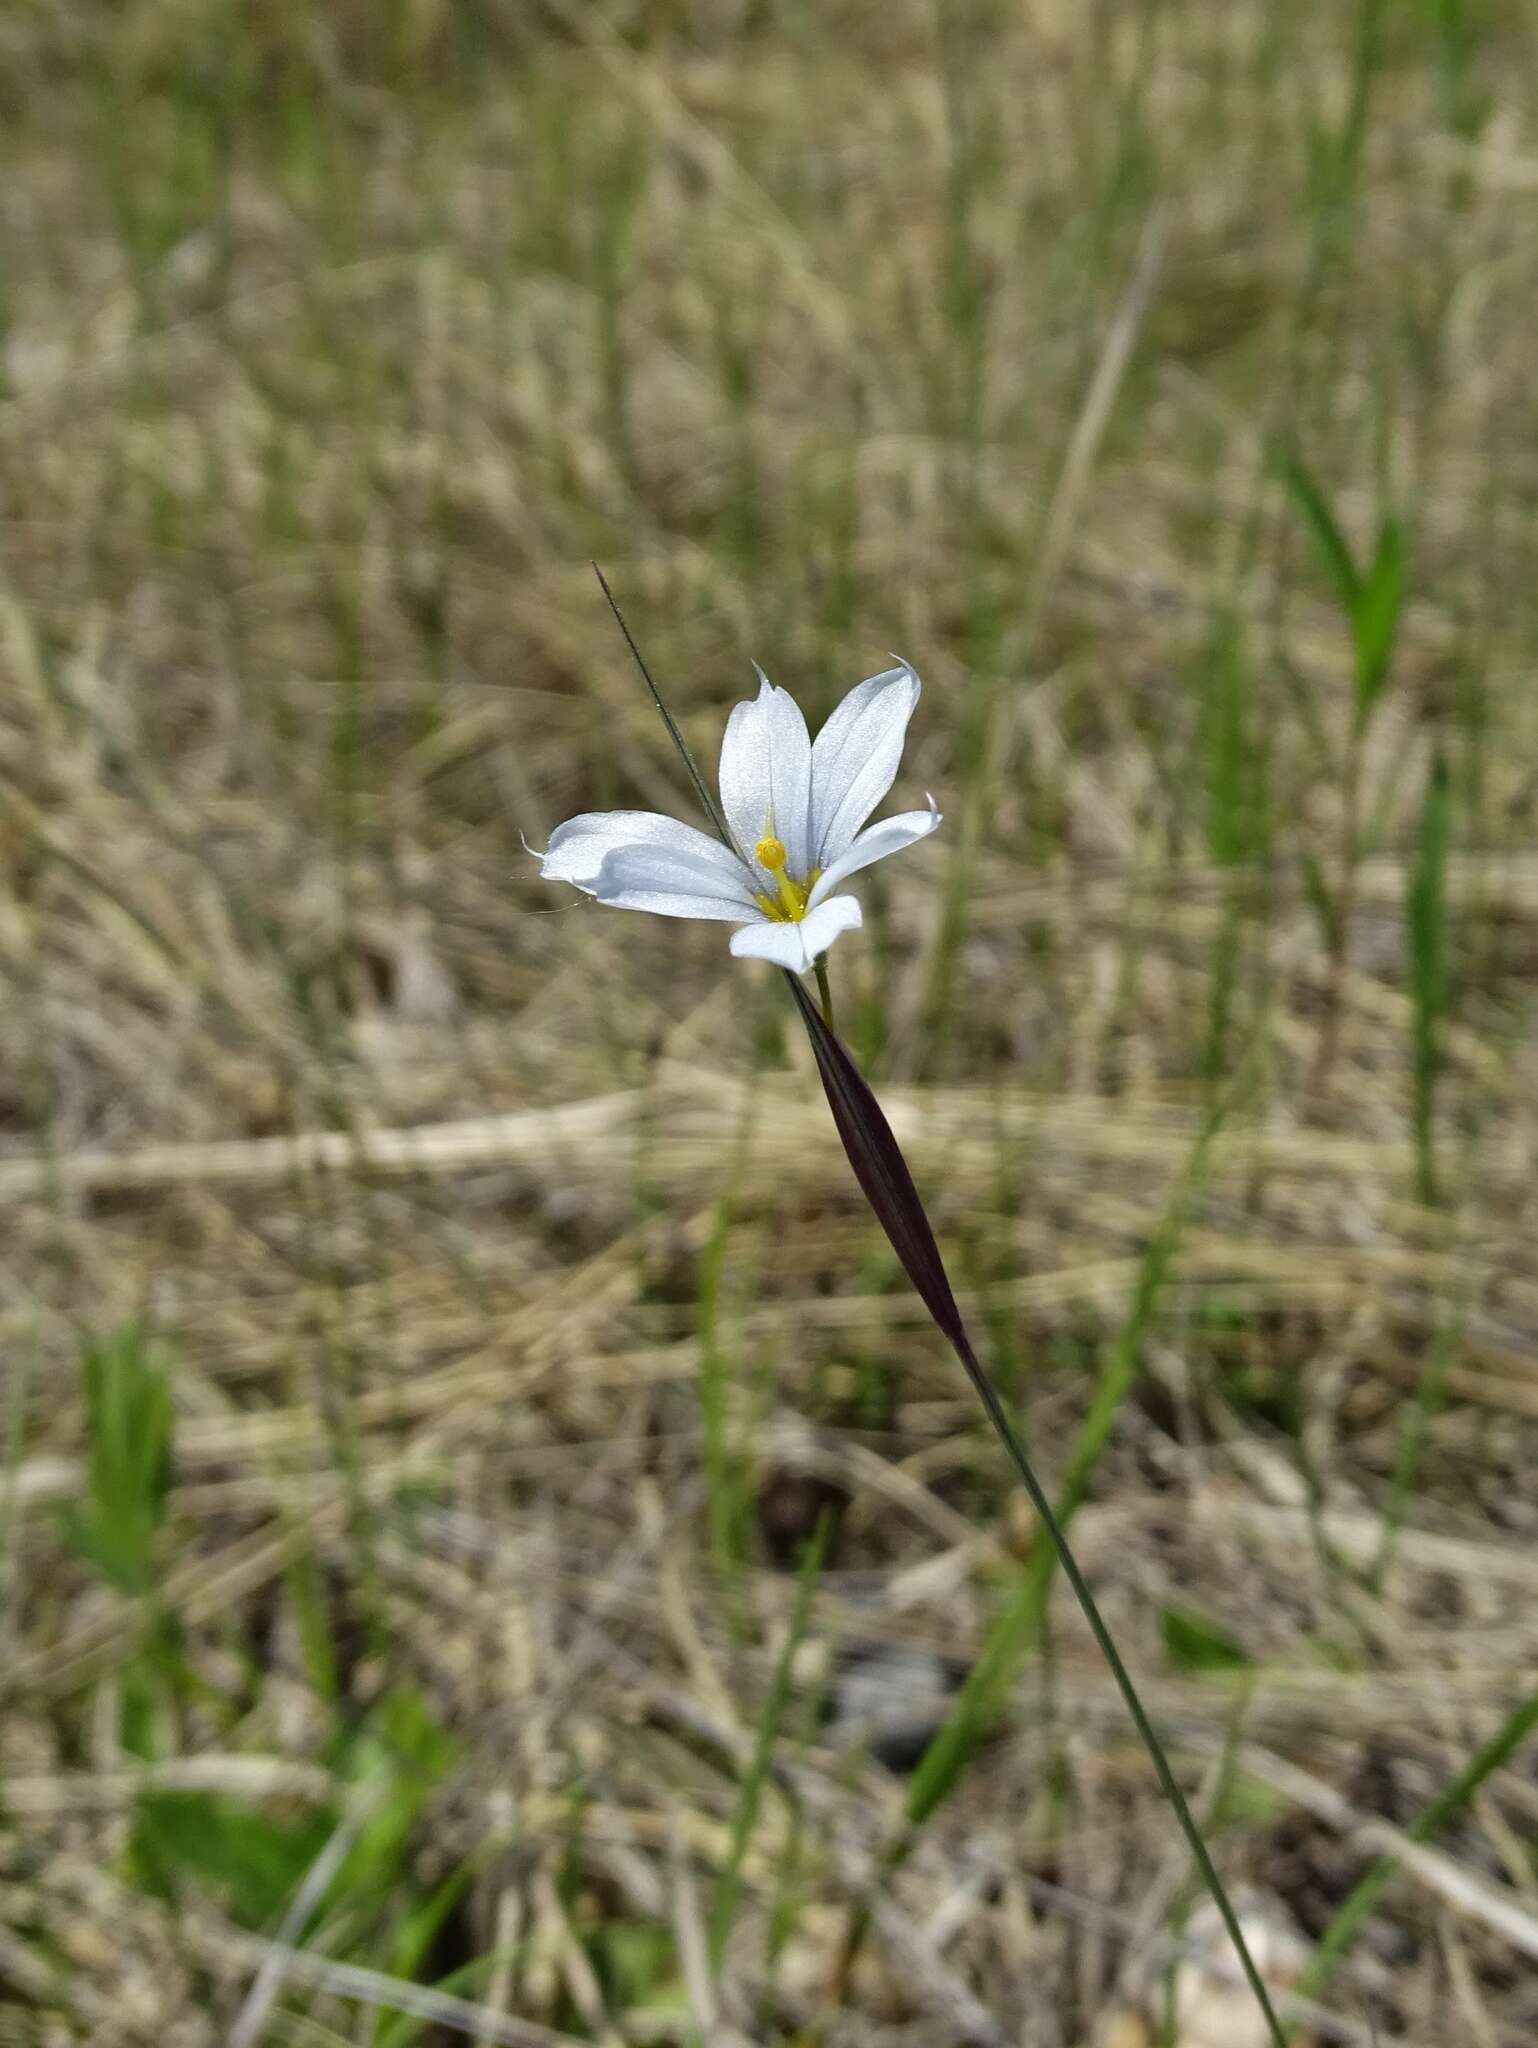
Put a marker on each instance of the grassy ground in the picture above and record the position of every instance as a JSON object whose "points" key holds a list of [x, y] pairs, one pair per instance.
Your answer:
{"points": [[436, 1312]]}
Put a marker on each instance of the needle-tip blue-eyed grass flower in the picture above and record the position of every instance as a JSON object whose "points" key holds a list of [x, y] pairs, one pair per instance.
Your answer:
{"points": [[792, 826], [794, 811]]}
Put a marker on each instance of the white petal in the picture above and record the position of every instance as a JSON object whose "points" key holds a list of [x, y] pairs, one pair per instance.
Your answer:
{"points": [[874, 844], [675, 883], [797, 945], [766, 776], [854, 761], [579, 848]]}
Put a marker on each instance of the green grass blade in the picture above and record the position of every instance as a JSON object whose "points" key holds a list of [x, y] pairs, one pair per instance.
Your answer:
{"points": [[128, 1420], [1235, 820], [1375, 615], [1354, 1911], [701, 787], [750, 1795], [1427, 938], [1330, 543], [1413, 1436], [725, 1478]]}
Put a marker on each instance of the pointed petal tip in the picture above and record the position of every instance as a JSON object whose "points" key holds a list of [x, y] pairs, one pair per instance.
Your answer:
{"points": [[902, 672], [773, 695], [875, 843], [856, 756], [764, 775]]}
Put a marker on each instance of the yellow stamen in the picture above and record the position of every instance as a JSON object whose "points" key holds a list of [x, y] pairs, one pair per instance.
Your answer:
{"points": [[791, 907]]}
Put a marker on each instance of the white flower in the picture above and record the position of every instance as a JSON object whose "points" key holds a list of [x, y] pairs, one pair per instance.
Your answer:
{"points": [[794, 809]]}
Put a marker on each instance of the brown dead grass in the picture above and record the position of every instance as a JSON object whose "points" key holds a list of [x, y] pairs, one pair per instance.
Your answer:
{"points": [[413, 1166]]}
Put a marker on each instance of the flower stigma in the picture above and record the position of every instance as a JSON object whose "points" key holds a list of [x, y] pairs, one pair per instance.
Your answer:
{"points": [[791, 906]]}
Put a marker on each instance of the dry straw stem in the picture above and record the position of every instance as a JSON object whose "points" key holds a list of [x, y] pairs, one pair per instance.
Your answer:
{"points": [[1470, 1896], [693, 1110], [376, 1989]]}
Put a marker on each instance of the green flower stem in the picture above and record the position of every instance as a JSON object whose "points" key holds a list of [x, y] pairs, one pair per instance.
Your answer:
{"points": [[1170, 1785], [887, 1184], [825, 994]]}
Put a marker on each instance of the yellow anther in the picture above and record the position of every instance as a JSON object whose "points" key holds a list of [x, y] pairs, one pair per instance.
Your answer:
{"points": [[789, 906]]}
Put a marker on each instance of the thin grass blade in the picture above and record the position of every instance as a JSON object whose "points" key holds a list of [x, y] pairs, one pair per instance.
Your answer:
{"points": [[756, 1777], [1427, 925], [1375, 616], [1330, 543], [701, 788], [1354, 1911]]}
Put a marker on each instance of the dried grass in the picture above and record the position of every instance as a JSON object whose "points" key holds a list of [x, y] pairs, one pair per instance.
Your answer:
{"points": [[412, 1166]]}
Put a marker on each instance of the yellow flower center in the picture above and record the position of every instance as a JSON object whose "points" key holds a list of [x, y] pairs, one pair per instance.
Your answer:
{"points": [[790, 906]]}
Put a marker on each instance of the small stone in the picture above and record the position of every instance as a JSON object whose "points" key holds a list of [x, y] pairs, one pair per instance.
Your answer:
{"points": [[1211, 2009], [791, 1505], [891, 1702]]}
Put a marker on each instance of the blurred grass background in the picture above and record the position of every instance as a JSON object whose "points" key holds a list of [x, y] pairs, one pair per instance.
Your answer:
{"points": [[437, 1316]]}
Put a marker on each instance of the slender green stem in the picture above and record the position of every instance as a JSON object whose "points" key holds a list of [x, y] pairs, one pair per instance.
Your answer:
{"points": [[1058, 1536], [825, 994]]}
